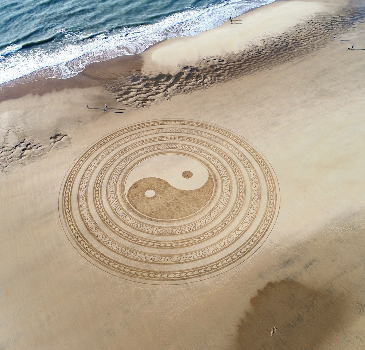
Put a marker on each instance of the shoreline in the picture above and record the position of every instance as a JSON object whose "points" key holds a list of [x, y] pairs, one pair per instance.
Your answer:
{"points": [[32, 82], [120, 70]]}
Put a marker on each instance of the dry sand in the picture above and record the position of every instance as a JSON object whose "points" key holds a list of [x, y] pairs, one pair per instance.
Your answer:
{"points": [[302, 107]]}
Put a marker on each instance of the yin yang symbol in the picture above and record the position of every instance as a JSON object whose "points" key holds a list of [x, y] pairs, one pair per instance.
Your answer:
{"points": [[169, 186]]}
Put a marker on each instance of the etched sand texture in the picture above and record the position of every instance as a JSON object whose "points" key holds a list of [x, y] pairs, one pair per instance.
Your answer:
{"points": [[229, 215]]}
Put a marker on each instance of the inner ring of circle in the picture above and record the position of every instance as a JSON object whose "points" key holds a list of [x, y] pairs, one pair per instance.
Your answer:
{"points": [[130, 169], [114, 202], [202, 151]]}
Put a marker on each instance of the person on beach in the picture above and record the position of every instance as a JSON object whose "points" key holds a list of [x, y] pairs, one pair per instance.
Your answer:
{"points": [[105, 107]]}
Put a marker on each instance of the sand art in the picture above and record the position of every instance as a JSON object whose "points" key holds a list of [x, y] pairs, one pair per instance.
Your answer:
{"points": [[148, 230], [155, 224]]}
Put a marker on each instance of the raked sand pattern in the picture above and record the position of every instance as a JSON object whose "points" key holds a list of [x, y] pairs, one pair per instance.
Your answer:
{"points": [[169, 201]]}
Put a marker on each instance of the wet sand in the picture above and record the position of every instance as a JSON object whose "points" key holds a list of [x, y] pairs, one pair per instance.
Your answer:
{"points": [[297, 96]]}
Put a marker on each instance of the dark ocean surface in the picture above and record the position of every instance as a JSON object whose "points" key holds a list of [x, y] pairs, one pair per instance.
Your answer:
{"points": [[58, 38]]}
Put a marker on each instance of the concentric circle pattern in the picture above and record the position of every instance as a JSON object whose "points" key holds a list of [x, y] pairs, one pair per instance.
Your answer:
{"points": [[169, 201]]}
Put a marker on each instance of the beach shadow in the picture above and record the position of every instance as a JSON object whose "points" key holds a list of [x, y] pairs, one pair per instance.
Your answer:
{"points": [[303, 316]]}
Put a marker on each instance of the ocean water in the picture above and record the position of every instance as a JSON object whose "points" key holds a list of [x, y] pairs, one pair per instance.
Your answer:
{"points": [[58, 38]]}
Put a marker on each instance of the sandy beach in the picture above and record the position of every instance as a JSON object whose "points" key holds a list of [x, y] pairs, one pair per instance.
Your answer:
{"points": [[265, 117]]}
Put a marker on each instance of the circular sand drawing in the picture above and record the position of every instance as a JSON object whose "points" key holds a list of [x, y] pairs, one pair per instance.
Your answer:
{"points": [[170, 201]]}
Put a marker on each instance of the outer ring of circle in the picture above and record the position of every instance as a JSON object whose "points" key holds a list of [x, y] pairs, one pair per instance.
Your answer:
{"points": [[263, 163]]}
